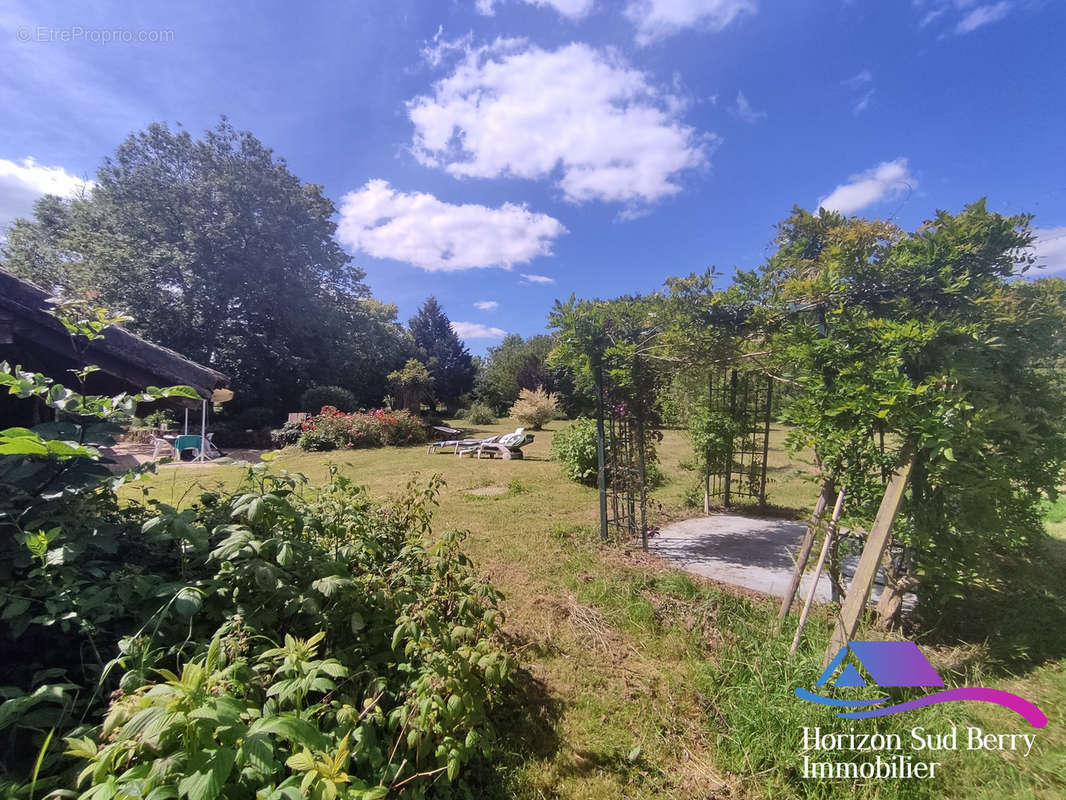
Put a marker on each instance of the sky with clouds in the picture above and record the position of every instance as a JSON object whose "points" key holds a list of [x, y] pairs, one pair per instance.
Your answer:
{"points": [[500, 154]]}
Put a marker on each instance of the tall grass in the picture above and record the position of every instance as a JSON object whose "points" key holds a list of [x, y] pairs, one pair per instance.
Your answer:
{"points": [[758, 722]]}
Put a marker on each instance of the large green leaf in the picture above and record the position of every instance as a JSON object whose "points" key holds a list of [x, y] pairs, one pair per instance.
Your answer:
{"points": [[23, 446], [206, 773], [13, 710], [293, 729]]}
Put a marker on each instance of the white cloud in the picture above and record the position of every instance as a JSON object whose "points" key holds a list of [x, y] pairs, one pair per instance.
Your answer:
{"points": [[487, 305], [475, 330], [744, 112], [930, 16], [657, 19], [21, 184], [969, 14], [571, 9], [576, 114], [887, 180], [1050, 248], [858, 80], [420, 229], [537, 278], [863, 102], [982, 15]]}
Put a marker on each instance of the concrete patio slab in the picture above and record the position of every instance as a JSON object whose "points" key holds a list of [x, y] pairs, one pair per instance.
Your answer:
{"points": [[757, 553]]}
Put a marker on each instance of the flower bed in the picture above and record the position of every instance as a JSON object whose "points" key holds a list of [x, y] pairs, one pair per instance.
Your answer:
{"points": [[331, 429]]}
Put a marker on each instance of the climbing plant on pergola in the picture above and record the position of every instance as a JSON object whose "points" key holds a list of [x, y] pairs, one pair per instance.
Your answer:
{"points": [[625, 348], [922, 352], [924, 356]]}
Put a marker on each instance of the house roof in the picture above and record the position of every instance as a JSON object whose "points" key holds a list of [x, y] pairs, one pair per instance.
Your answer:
{"points": [[26, 324]]}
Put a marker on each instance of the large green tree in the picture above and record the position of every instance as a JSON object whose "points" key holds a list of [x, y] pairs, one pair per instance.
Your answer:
{"points": [[514, 364], [448, 360], [221, 253]]}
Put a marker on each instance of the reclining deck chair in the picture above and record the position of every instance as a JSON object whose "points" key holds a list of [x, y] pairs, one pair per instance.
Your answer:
{"points": [[455, 444], [507, 446]]}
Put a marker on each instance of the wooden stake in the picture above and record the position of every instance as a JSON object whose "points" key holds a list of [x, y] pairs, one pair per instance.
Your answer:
{"points": [[830, 534], [863, 580], [803, 554]]}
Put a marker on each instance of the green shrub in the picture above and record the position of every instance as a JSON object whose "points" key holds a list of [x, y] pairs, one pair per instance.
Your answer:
{"points": [[481, 414], [317, 441], [1055, 512], [575, 448], [410, 665], [316, 397], [361, 430], [334, 430], [157, 419], [287, 435], [399, 428], [310, 638], [534, 407]]}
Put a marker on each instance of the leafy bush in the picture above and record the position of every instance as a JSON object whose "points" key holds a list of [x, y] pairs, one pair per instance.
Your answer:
{"points": [[74, 568], [304, 633], [157, 419], [481, 414], [316, 397], [334, 430], [362, 430], [317, 440], [534, 407], [287, 435], [398, 691], [400, 427], [575, 448]]}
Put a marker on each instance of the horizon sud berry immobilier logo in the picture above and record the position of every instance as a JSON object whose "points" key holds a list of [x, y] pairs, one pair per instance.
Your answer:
{"points": [[901, 664]]}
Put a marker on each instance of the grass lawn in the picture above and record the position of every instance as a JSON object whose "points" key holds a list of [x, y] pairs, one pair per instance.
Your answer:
{"points": [[641, 682]]}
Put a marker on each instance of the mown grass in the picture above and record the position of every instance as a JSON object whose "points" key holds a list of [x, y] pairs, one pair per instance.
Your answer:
{"points": [[641, 681]]}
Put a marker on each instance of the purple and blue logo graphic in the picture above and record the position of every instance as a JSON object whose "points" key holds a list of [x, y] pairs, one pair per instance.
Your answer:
{"points": [[902, 664]]}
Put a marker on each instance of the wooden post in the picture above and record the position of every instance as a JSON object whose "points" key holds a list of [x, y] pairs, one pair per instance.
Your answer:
{"points": [[643, 485], [766, 438], [729, 450], [601, 468], [830, 534], [803, 554], [876, 542], [707, 463], [891, 602]]}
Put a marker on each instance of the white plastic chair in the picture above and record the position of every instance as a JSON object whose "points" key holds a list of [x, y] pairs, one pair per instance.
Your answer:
{"points": [[160, 444]]}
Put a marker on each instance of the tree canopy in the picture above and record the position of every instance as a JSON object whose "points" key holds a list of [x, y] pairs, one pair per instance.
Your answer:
{"points": [[514, 364], [446, 357], [222, 254]]}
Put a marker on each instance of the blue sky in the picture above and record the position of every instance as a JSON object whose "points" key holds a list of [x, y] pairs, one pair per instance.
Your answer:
{"points": [[502, 153]]}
